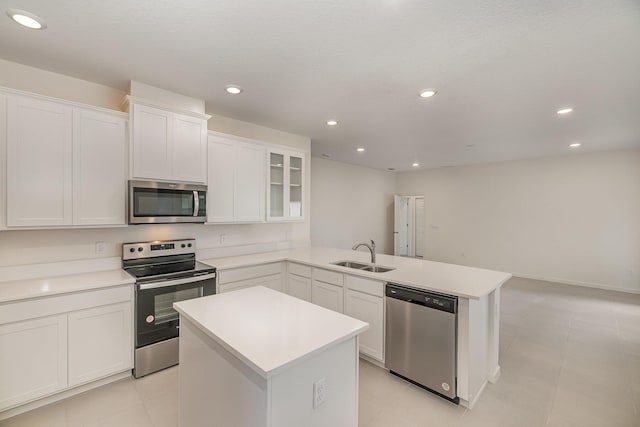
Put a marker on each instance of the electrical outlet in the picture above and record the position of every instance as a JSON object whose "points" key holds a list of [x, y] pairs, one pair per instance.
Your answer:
{"points": [[100, 247], [319, 392]]}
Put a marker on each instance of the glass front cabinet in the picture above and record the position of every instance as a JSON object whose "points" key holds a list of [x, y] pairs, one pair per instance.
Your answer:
{"points": [[286, 183]]}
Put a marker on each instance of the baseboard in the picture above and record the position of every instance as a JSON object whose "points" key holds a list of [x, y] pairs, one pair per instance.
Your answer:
{"points": [[577, 283], [17, 410], [494, 376]]}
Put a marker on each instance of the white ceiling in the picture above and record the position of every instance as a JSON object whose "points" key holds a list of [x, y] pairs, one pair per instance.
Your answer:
{"points": [[502, 68]]}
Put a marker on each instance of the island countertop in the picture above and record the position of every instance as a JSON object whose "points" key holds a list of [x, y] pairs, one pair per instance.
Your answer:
{"points": [[458, 280], [268, 330]]}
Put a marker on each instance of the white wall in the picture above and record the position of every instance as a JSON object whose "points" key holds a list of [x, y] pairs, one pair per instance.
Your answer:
{"points": [[351, 204], [573, 219], [43, 246]]}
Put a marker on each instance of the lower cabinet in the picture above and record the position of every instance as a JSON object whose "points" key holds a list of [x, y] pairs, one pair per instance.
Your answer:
{"points": [[51, 344], [327, 295], [370, 309], [99, 342], [33, 359], [269, 275], [300, 287]]}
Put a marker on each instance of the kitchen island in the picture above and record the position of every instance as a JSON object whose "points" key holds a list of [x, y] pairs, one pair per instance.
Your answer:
{"points": [[310, 273], [256, 357]]}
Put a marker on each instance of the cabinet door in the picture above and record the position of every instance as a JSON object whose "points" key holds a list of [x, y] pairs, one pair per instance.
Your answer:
{"points": [[100, 342], [277, 186], [39, 156], [189, 149], [300, 287], [274, 282], [33, 359], [250, 183], [99, 176], [151, 139], [221, 180], [295, 193], [369, 309], [327, 296]]}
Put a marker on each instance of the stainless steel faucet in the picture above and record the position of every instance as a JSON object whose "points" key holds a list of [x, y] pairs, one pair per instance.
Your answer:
{"points": [[371, 247]]}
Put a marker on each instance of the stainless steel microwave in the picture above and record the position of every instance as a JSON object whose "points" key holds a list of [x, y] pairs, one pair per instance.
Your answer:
{"points": [[164, 202]]}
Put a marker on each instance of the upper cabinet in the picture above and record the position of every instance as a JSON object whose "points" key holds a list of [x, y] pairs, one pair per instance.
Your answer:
{"points": [[167, 145], [285, 200], [237, 178], [65, 164]]}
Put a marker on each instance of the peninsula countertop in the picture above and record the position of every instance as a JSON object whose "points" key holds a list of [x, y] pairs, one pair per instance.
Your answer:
{"points": [[458, 280], [268, 330]]}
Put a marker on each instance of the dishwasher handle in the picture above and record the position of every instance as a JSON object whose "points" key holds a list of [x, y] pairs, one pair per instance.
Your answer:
{"points": [[424, 298]]}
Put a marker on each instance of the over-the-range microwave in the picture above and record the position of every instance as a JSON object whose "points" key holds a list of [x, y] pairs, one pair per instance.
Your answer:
{"points": [[153, 202]]}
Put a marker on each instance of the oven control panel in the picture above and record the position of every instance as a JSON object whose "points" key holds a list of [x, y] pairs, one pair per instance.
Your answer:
{"points": [[158, 248]]}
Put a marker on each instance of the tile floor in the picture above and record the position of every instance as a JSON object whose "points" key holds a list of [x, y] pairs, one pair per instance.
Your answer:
{"points": [[570, 357]]}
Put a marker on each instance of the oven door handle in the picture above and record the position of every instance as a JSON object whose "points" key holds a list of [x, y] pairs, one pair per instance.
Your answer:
{"points": [[164, 284]]}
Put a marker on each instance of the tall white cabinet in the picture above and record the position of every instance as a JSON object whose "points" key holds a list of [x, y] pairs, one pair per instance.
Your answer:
{"points": [[65, 163], [236, 180]]}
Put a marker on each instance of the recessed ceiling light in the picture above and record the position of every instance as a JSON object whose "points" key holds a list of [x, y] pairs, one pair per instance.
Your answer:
{"points": [[427, 93], [575, 145], [415, 164], [332, 122], [360, 149], [566, 110], [233, 90], [27, 19]]}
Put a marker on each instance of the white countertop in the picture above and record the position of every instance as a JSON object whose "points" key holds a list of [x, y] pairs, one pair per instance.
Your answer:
{"points": [[458, 280], [266, 329], [42, 287]]}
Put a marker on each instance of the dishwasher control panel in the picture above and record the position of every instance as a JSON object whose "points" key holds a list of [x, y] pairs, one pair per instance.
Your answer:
{"points": [[437, 301]]}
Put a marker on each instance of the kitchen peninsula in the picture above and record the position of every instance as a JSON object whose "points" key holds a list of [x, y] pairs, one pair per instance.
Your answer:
{"points": [[311, 274], [257, 357]]}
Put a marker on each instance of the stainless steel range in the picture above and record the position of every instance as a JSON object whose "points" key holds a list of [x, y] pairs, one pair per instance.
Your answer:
{"points": [[165, 272]]}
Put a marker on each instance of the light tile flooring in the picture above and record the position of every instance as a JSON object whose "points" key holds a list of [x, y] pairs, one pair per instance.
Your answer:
{"points": [[570, 357]]}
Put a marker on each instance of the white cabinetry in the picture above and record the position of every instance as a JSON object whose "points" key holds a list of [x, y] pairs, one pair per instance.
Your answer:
{"points": [[33, 360], [299, 281], [65, 164], [236, 180], [52, 344], [39, 159], [168, 145], [99, 342], [364, 301], [326, 289], [269, 275], [285, 200]]}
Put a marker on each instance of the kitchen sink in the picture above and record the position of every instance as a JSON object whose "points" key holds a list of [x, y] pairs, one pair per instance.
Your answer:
{"points": [[377, 269], [362, 266]]}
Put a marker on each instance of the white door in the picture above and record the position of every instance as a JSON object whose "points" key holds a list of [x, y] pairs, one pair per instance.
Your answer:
{"points": [[189, 149], [401, 225], [33, 359], [151, 139], [419, 227], [100, 342], [39, 162], [99, 175], [369, 309], [250, 181]]}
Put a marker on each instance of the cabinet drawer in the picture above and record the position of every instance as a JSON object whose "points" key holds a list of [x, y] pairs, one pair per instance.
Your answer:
{"points": [[368, 286], [237, 274], [327, 296], [299, 269], [328, 276], [39, 307]]}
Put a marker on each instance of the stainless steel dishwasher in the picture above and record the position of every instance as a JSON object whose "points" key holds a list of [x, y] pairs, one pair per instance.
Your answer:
{"points": [[421, 338]]}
